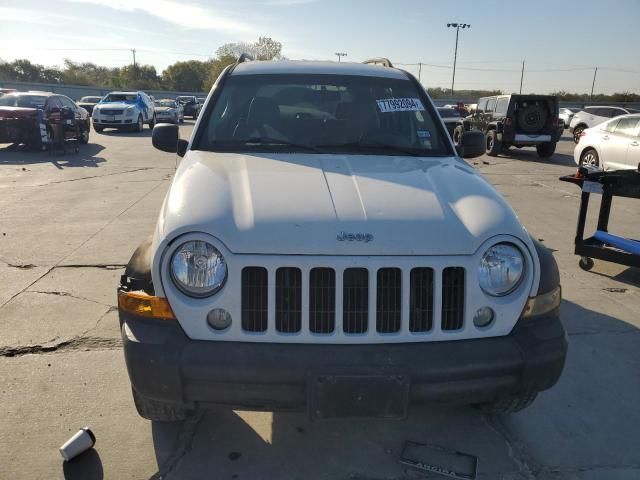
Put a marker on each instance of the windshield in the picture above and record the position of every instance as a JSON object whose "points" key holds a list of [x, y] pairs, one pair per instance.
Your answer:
{"points": [[186, 99], [90, 99], [121, 97], [27, 101], [328, 113], [448, 112], [165, 103]]}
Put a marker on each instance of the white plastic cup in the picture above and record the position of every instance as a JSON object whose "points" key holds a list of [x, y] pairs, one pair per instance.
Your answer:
{"points": [[82, 441]]}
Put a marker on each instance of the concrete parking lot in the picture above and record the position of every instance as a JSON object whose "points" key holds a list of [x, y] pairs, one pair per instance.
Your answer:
{"points": [[68, 225]]}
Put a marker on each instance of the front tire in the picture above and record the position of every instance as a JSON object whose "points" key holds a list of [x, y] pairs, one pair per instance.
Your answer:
{"points": [[152, 122], [546, 150], [158, 411], [589, 158], [98, 129], [508, 403], [493, 144], [140, 124]]}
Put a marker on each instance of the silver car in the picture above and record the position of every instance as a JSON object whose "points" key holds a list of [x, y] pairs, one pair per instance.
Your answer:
{"points": [[169, 111], [612, 145]]}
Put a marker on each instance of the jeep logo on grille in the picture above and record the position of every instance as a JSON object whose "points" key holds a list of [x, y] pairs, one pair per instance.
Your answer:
{"points": [[354, 237]]}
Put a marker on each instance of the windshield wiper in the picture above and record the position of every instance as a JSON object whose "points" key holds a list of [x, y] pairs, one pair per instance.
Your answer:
{"points": [[382, 146], [277, 142]]}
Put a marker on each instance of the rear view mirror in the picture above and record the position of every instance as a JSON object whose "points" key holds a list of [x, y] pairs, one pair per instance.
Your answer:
{"points": [[471, 144]]}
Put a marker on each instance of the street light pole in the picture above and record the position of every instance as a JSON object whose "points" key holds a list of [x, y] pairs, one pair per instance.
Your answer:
{"points": [[340, 54], [457, 26]]}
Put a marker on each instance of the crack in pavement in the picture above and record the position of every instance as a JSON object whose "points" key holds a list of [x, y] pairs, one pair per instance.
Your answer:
{"points": [[527, 465], [74, 344], [94, 176], [184, 441], [67, 294]]}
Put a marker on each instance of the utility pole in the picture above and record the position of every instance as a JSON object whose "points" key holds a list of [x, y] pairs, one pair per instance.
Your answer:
{"points": [[521, 76], [457, 26], [340, 54], [419, 70], [133, 50], [595, 72]]}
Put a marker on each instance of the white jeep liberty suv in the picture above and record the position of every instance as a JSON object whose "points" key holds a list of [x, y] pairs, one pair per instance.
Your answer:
{"points": [[323, 246]]}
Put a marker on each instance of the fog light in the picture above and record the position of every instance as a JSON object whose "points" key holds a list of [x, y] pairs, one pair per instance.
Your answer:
{"points": [[219, 319], [483, 317]]}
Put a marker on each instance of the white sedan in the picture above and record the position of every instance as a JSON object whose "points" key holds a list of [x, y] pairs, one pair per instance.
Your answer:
{"points": [[613, 145]]}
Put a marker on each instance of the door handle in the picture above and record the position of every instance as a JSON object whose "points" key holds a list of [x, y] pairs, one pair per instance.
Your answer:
{"points": [[606, 137], [634, 144]]}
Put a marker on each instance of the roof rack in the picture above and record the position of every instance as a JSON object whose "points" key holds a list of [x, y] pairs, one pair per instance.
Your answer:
{"points": [[385, 62], [244, 57]]}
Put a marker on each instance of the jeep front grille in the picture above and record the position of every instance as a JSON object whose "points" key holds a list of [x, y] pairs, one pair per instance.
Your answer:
{"points": [[421, 300], [254, 299], [288, 300], [452, 298], [322, 300], [355, 298]]}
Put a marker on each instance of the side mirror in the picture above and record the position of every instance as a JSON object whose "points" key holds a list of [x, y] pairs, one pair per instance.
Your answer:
{"points": [[165, 137], [472, 144]]}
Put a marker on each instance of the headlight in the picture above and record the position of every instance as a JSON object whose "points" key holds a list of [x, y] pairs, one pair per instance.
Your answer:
{"points": [[501, 269], [130, 111], [198, 269]]}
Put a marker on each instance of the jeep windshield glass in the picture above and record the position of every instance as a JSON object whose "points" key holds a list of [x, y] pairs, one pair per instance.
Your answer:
{"points": [[321, 112], [120, 97]]}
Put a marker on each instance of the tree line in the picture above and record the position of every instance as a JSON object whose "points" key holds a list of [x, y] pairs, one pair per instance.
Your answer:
{"points": [[187, 76], [199, 76]]}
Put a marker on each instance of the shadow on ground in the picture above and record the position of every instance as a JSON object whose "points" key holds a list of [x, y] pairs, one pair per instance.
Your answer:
{"points": [[527, 154], [581, 423], [87, 156], [87, 466], [114, 132]]}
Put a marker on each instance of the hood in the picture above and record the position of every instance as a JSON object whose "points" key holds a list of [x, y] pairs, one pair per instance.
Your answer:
{"points": [[17, 112], [114, 105], [335, 204], [164, 109]]}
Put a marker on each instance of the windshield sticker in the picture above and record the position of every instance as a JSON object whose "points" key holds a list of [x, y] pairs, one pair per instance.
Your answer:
{"points": [[423, 133], [400, 105]]}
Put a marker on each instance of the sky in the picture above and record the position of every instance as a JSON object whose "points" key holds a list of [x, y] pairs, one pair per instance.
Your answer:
{"points": [[560, 42]]}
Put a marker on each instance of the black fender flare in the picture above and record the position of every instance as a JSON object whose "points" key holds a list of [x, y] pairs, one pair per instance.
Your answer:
{"points": [[549, 273], [137, 273]]}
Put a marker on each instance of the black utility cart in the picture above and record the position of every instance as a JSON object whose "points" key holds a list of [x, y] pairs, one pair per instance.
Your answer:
{"points": [[604, 245]]}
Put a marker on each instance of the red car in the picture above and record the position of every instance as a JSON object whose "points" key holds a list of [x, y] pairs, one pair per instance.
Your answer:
{"points": [[39, 119]]}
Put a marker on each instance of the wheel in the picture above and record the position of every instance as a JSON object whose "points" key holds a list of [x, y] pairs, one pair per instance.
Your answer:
{"points": [[546, 150], [84, 136], [98, 129], [152, 122], [493, 144], [576, 133], [457, 135], [586, 263], [590, 158], [158, 411], [140, 124], [507, 403]]}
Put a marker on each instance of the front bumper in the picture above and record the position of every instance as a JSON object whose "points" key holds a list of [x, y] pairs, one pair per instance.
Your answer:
{"points": [[116, 122], [164, 364]]}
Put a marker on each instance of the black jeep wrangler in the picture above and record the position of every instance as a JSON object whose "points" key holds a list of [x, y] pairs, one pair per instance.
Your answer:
{"points": [[515, 120]]}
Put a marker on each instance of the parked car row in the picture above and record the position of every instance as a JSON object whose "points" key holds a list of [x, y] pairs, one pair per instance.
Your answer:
{"points": [[31, 118]]}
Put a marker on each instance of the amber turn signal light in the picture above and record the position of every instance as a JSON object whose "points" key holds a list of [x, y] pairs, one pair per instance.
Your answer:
{"points": [[145, 305]]}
